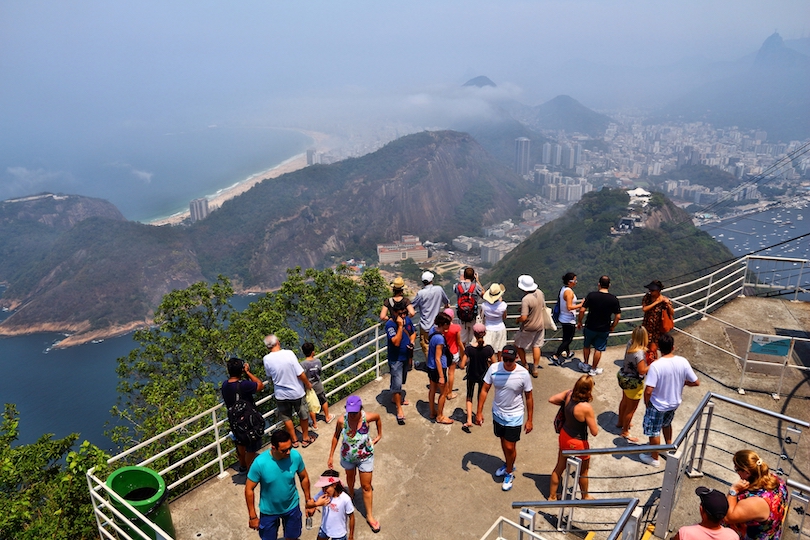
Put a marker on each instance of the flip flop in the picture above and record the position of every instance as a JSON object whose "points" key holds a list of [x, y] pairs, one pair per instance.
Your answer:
{"points": [[329, 420], [296, 444], [445, 421], [374, 529], [452, 396], [406, 402], [401, 420], [307, 442]]}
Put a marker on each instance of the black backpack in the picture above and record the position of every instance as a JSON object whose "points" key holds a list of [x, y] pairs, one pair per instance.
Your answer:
{"points": [[247, 423], [467, 307], [555, 312]]}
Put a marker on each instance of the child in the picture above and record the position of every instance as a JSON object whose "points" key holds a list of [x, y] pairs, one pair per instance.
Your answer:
{"points": [[336, 505], [478, 359], [312, 367]]}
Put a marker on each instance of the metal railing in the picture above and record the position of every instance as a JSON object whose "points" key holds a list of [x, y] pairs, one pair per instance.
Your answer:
{"points": [[628, 524]]}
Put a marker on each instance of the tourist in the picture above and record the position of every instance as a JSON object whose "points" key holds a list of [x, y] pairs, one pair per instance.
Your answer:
{"points": [[631, 380], [604, 313], [438, 358], [663, 393], [512, 383], [357, 451], [653, 305], [532, 322], [478, 358], [290, 384], [397, 298], [400, 333], [757, 502], [337, 516], [568, 317], [494, 311], [429, 301], [468, 295], [456, 347], [713, 508], [275, 473], [579, 419], [245, 449], [313, 368]]}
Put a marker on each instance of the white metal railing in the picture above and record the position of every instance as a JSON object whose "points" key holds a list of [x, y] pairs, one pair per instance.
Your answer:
{"points": [[628, 524]]}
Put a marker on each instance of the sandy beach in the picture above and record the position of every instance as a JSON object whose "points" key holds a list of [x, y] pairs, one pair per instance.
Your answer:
{"points": [[215, 201]]}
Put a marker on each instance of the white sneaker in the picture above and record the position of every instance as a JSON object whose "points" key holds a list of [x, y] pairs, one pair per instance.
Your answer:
{"points": [[507, 481], [595, 372], [502, 471], [647, 459]]}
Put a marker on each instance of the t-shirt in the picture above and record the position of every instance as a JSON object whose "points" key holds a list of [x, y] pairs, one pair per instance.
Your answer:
{"points": [[246, 391], [507, 405], [699, 532], [630, 366], [478, 361], [532, 306], [399, 354], [493, 315], [435, 340], [278, 493], [313, 369], [283, 369], [601, 307], [333, 522], [667, 375], [429, 301], [452, 338]]}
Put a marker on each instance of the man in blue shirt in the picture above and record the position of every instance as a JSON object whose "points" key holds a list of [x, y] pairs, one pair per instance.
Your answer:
{"points": [[401, 335], [429, 301], [278, 497]]}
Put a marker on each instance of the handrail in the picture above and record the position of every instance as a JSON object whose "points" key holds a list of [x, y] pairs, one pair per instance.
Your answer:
{"points": [[629, 504]]}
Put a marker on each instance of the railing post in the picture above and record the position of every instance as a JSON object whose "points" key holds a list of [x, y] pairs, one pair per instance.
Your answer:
{"points": [[740, 389], [705, 444], [798, 284], [631, 529], [708, 295], [745, 277], [693, 472], [573, 467], [377, 350], [222, 473], [669, 493], [96, 510], [784, 368]]}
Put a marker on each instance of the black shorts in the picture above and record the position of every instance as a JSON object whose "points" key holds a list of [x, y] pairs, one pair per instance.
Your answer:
{"points": [[321, 397], [471, 393], [433, 374], [507, 433]]}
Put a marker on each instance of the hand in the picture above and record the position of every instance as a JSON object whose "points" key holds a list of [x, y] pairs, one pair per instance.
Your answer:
{"points": [[529, 426], [375, 440], [579, 326], [330, 463], [253, 522], [246, 367], [740, 486], [323, 500], [441, 381]]}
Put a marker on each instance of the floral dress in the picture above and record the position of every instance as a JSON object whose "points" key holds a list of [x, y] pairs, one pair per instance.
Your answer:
{"points": [[356, 446], [771, 528], [653, 324]]}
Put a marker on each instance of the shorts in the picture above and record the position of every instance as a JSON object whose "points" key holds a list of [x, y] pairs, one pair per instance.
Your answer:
{"points": [[252, 446], [655, 421], [597, 340], [397, 369], [467, 334], [635, 394], [456, 358], [367, 465], [567, 442], [433, 374], [529, 340], [322, 534], [471, 388], [321, 397], [496, 339], [291, 522], [507, 433], [287, 407]]}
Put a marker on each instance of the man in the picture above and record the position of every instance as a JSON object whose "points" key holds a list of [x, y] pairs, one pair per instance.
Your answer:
{"points": [[602, 307], [713, 509], [275, 471], [290, 384], [401, 334], [468, 296], [664, 382], [532, 330], [429, 301], [438, 358], [246, 450], [512, 383]]}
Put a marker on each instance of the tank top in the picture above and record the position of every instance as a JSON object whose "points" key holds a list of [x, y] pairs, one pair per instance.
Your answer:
{"points": [[770, 528], [572, 426], [356, 448], [566, 315]]}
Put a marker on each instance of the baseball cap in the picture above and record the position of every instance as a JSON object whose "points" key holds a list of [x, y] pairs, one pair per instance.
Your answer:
{"points": [[713, 502], [354, 404], [427, 276], [509, 352]]}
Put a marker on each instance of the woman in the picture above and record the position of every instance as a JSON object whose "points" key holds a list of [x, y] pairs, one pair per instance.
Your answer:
{"points": [[439, 359], [397, 297], [357, 451], [653, 305], [579, 420], [494, 312], [568, 317], [631, 380], [757, 503]]}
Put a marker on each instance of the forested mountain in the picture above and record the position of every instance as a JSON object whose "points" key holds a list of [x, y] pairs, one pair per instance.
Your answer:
{"points": [[566, 113]]}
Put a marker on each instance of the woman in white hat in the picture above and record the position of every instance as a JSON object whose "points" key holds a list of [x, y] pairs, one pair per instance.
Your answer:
{"points": [[494, 311]]}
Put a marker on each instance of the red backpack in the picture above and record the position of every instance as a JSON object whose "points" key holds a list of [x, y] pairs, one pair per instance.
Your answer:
{"points": [[467, 306]]}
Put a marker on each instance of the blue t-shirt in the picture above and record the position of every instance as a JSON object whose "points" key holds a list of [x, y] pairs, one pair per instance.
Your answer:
{"points": [[437, 339], [399, 354], [278, 492]]}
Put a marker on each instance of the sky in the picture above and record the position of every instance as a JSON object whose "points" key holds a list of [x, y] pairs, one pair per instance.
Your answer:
{"points": [[76, 75]]}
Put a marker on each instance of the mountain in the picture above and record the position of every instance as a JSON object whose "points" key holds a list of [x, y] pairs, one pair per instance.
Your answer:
{"points": [[480, 81], [564, 113], [94, 272], [497, 135], [580, 242], [771, 95]]}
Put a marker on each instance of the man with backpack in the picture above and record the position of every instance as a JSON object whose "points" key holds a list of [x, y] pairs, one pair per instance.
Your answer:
{"points": [[468, 296], [247, 428]]}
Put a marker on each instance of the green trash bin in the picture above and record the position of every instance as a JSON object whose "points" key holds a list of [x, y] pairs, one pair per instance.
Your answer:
{"points": [[145, 490]]}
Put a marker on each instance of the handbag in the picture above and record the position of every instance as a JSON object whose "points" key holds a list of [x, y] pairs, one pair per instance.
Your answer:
{"points": [[548, 320], [559, 420], [313, 404], [667, 323]]}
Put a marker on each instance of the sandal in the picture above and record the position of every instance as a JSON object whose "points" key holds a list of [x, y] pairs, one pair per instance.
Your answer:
{"points": [[307, 442], [296, 444], [401, 420], [374, 528]]}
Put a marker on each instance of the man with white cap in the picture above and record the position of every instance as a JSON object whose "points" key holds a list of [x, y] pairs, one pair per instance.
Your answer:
{"points": [[429, 301], [532, 329]]}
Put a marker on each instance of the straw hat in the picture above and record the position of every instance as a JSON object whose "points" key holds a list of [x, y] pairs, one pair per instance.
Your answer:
{"points": [[494, 293]]}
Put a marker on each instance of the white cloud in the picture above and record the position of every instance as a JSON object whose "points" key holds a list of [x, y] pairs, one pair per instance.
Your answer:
{"points": [[146, 177]]}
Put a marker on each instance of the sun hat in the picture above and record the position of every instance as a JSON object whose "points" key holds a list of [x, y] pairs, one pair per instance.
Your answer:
{"points": [[324, 481], [526, 283], [713, 502], [494, 293], [654, 285], [427, 276], [479, 328], [354, 404], [398, 283]]}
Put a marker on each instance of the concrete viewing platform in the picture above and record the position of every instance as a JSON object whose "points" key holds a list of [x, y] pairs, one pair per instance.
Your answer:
{"points": [[438, 481]]}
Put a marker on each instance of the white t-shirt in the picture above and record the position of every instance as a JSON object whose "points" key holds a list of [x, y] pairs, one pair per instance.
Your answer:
{"points": [[667, 376], [283, 369], [493, 315], [333, 522], [509, 387]]}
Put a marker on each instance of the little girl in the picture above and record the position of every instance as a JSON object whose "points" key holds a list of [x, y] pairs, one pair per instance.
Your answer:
{"points": [[336, 505]]}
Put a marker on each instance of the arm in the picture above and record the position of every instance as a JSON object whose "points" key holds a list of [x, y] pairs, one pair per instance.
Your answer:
{"points": [[482, 397], [590, 419], [616, 320], [335, 439], [411, 314], [648, 390], [384, 313], [529, 411], [438, 359], [647, 307], [351, 526], [254, 378], [691, 383], [303, 477], [396, 339], [250, 499], [580, 317], [642, 367], [374, 417], [750, 509], [568, 296], [305, 381], [558, 399]]}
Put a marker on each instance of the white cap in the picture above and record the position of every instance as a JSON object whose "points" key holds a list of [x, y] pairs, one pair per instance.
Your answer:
{"points": [[526, 283], [427, 276]]}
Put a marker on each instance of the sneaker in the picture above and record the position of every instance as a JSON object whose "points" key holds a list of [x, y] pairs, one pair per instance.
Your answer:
{"points": [[599, 371], [648, 460], [595, 372], [507, 482], [502, 471], [555, 360], [585, 368]]}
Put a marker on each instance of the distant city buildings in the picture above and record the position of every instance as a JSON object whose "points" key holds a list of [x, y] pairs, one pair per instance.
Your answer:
{"points": [[198, 208], [522, 155], [408, 248]]}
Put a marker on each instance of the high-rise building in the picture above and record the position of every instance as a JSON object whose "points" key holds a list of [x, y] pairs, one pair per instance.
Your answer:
{"points": [[568, 157], [556, 155], [198, 208], [578, 154], [310, 156], [522, 147], [546, 153]]}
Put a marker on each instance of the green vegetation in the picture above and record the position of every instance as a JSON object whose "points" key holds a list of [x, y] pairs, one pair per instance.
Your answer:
{"points": [[710, 177]]}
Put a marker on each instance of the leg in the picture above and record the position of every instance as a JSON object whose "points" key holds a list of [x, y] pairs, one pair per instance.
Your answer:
{"points": [[451, 378], [667, 433], [522, 356], [249, 457], [509, 454], [469, 412], [368, 495], [432, 397], [556, 474], [586, 354], [583, 478], [240, 455], [424, 340], [535, 358], [326, 416], [440, 417], [597, 355], [313, 420], [396, 397], [350, 475], [654, 441], [291, 430], [629, 411]]}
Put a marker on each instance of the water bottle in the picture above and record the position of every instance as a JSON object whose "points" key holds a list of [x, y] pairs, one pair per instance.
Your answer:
{"points": [[309, 522]]}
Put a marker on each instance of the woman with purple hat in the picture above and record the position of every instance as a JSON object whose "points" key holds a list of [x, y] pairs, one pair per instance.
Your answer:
{"points": [[337, 521], [653, 305], [357, 450]]}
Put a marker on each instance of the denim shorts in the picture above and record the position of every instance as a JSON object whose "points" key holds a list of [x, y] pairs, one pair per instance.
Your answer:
{"points": [[367, 465], [396, 371]]}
